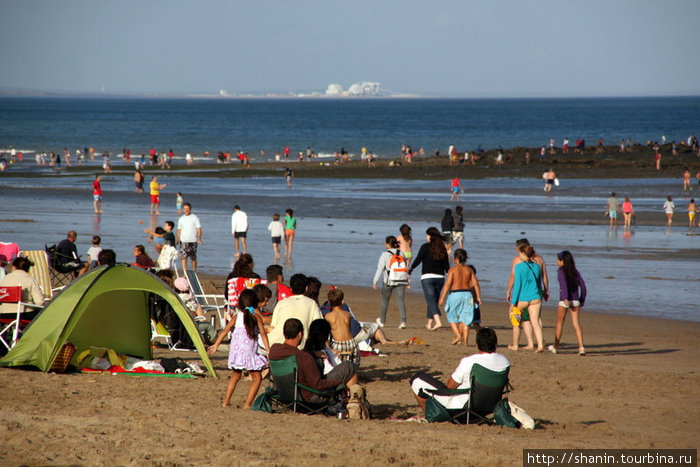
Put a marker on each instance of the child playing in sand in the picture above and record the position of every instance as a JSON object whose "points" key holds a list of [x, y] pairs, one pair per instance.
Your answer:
{"points": [[243, 354], [405, 242], [341, 335], [459, 306], [276, 231]]}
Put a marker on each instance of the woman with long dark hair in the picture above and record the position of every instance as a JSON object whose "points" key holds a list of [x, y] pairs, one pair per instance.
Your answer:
{"points": [[572, 296], [435, 263]]}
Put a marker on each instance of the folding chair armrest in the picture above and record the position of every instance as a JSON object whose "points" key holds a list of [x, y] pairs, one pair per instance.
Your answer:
{"points": [[327, 393], [32, 305], [447, 392]]}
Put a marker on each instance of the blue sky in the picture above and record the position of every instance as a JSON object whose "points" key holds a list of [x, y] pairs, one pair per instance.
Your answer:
{"points": [[509, 48]]}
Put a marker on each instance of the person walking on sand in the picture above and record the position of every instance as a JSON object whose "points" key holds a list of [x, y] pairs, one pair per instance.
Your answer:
{"points": [[627, 211], [613, 208], [391, 268], [290, 227], [435, 263], [668, 209], [97, 194], [458, 299], [527, 292], [572, 296], [405, 241], [247, 326], [525, 318], [155, 188], [239, 229]]}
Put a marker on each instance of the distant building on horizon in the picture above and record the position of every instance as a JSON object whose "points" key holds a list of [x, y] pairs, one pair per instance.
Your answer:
{"points": [[362, 89]]}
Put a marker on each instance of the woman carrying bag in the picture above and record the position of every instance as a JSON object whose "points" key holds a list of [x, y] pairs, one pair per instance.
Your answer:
{"points": [[393, 271]]}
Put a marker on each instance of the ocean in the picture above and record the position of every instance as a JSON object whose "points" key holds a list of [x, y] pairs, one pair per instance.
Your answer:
{"points": [[328, 125]]}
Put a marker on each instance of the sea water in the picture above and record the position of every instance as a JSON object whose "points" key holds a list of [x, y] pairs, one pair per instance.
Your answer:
{"points": [[328, 125]]}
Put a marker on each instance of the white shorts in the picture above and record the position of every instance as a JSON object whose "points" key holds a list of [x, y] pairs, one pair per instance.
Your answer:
{"points": [[574, 303]]}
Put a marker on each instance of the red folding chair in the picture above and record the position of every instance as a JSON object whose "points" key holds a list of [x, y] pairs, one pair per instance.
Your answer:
{"points": [[10, 327]]}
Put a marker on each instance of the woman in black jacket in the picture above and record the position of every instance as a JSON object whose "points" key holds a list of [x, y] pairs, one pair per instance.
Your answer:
{"points": [[435, 263]]}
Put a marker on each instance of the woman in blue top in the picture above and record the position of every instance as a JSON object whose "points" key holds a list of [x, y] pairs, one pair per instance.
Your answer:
{"points": [[527, 290]]}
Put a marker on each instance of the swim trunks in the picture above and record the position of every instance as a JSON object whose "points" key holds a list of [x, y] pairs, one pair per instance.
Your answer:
{"points": [[571, 303], [188, 250], [459, 307], [276, 240], [348, 350], [155, 199]]}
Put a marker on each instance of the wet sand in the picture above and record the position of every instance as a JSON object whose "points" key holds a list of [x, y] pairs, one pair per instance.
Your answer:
{"points": [[636, 388]]}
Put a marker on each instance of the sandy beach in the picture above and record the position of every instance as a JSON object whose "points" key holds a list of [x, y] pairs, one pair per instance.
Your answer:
{"points": [[635, 388]]}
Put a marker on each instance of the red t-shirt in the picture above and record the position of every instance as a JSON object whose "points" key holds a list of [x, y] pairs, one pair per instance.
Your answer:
{"points": [[96, 188]]}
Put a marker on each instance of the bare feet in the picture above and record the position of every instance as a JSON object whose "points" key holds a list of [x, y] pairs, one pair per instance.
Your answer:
{"points": [[436, 327], [539, 350], [529, 347], [513, 347], [456, 340]]}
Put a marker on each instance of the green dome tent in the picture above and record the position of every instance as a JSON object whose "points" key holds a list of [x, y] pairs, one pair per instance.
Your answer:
{"points": [[107, 307]]}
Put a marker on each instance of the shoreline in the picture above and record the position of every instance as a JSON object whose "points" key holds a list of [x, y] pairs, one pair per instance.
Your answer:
{"points": [[638, 163]]}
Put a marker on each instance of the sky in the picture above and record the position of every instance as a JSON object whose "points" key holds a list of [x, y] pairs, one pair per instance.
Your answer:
{"points": [[460, 48]]}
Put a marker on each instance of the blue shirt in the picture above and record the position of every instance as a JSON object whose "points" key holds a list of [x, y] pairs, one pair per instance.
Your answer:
{"points": [[527, 282]]}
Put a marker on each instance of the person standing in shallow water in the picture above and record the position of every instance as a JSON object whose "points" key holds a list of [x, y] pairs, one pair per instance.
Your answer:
{"points": [[668, 209]]}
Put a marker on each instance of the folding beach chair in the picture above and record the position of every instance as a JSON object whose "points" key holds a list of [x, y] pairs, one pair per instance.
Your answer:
{"points": [[12, 324], [159, 331], [285, 380], [209, 302], [40, 271], [62, 269], [487, 389]]}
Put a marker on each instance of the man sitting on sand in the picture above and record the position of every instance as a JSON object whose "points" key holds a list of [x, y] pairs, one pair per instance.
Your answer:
{"points": [[341, 336], [309, 374], [486, 342], [297, 306]]}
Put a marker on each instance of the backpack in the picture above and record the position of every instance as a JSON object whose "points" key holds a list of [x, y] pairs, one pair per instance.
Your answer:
{"points": [[398, 270]]}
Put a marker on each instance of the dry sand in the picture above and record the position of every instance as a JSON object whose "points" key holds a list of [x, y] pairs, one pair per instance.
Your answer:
{"points": [[636, 388]]}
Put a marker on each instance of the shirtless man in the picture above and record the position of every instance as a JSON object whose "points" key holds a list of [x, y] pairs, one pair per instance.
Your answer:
{"points": [[463, 289], [342, 341], [686, 180], [549, 177], [525, 324]]}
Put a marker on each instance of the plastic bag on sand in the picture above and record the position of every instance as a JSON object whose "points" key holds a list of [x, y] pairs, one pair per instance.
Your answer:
{"points": [[520, 415]]}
